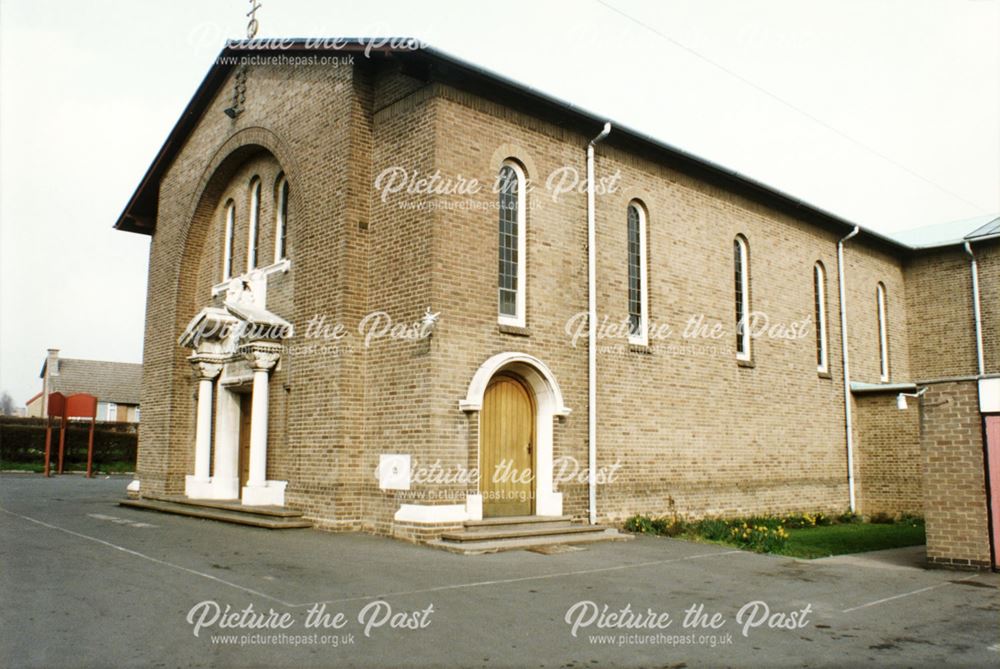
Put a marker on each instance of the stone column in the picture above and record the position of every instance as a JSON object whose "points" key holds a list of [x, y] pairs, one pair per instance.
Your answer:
{"points": [[262, 357], [226, 473], [206, 369]]}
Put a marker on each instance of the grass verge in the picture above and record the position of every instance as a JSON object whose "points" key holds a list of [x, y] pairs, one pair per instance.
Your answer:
{"points": [[818, 542], [801, 535]]}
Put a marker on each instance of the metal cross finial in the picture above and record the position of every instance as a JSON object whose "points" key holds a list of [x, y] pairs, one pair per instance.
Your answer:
{"points": [[253, 24]]}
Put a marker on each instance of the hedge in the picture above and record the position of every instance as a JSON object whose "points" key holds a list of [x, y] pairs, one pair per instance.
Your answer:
{"points": [[22, 440]]}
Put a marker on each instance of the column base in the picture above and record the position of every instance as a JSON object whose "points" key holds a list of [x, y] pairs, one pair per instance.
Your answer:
{"points": [[211, 488], [197, 488], [550, 504], [270, 493]]}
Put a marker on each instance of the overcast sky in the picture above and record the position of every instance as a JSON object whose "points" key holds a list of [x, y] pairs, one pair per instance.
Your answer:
{"points": [[884, 112]]}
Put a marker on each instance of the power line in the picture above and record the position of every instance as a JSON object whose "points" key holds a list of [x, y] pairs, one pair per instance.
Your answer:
{"points": [[792, 106]]}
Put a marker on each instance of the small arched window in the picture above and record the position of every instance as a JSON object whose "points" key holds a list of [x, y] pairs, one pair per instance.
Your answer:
{"points": [[281, 219], [227, 242], [638, 317], [741, 274], [883, 332], [254, 233], [819, 299], [511, 276]]}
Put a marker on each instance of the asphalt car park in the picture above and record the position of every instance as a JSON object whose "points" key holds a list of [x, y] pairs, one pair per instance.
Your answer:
{"points": [[86, 583]]}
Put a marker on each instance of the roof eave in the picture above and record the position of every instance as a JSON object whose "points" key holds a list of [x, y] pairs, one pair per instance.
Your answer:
{"points": [[139, 215]]}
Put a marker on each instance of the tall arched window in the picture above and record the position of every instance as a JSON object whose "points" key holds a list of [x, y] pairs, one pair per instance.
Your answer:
{"points": [[819, 295], [638, 317], [227, 243], [741, 274], [281, 219], [254, 223], [883, 332], [511, 279]]}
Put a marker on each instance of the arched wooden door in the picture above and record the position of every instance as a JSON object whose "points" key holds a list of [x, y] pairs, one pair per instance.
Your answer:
{"points": [[506, 448]]}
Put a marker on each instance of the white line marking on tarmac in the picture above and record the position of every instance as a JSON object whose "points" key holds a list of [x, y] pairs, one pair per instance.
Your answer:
{"points": [[137, 554], [456, 586], [120, 521], [521, 579], [906, 594]]}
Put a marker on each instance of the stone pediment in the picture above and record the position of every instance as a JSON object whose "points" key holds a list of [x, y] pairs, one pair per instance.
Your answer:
{"points": [[224, 329]]}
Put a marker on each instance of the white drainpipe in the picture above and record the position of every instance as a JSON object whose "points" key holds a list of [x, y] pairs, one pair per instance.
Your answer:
{"points": [[848, 418], [592, 327], [975, 310]]}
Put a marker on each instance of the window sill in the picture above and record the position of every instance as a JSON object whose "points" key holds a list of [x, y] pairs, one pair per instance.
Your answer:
{"points": [[824, 375], [516, 330], [281, 266], [644, 349], [749, 364]]}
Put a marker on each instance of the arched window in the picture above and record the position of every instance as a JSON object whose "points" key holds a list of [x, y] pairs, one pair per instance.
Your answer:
{"points": [[227, 244], [883, 332], [638, 317], [511, 279], [741, 274], [281, 219], [819, 298], [254, 223]]}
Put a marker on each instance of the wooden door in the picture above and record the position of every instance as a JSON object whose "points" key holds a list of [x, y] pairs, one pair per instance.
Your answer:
{"points": [[506, 449], [245, 402], [993, 465]]}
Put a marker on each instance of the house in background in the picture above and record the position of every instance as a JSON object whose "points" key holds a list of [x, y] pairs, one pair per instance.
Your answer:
{"points": [[116, 385]]}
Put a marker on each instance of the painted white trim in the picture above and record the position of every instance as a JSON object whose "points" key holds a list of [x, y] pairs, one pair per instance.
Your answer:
{"points": [[745, 293], [477, 387], [989, 395], [253, 230], [642, 339], [883, 334], [279, 220], [227, 251], [431, 513], [519, 318], [819, 282]]}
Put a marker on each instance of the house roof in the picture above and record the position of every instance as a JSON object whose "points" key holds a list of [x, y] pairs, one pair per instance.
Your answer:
{"points": [[426, 62], [951, 233], [118, 382]]}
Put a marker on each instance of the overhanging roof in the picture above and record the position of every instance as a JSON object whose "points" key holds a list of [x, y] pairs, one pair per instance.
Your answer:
{"points": [[139, 214]]}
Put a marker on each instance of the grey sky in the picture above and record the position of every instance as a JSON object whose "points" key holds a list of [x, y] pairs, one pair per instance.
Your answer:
{"points": [[885, 112]]}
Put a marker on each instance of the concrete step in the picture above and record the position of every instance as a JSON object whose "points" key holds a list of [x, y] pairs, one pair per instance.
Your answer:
{"points": [[228, 505], [517, 523], [253, 519], [507, 533], [485, 546]]}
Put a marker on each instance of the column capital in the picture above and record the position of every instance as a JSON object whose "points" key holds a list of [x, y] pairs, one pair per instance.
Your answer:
{"points": [[206, 367], [263, 356]]}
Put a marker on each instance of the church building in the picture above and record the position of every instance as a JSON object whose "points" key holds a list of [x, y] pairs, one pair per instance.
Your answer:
{"points": [[395, 293]]}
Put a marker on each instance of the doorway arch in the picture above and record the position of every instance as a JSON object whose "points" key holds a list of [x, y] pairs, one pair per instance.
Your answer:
{"points": [[543, 389]]}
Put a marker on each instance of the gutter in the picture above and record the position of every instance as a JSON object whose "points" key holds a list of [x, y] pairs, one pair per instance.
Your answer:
{"points": [[980, 367], [592, 327], [848, 418]]}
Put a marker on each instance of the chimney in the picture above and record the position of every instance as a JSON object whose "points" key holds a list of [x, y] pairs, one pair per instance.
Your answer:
{"points": [[51, 369], [52, 363]]}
